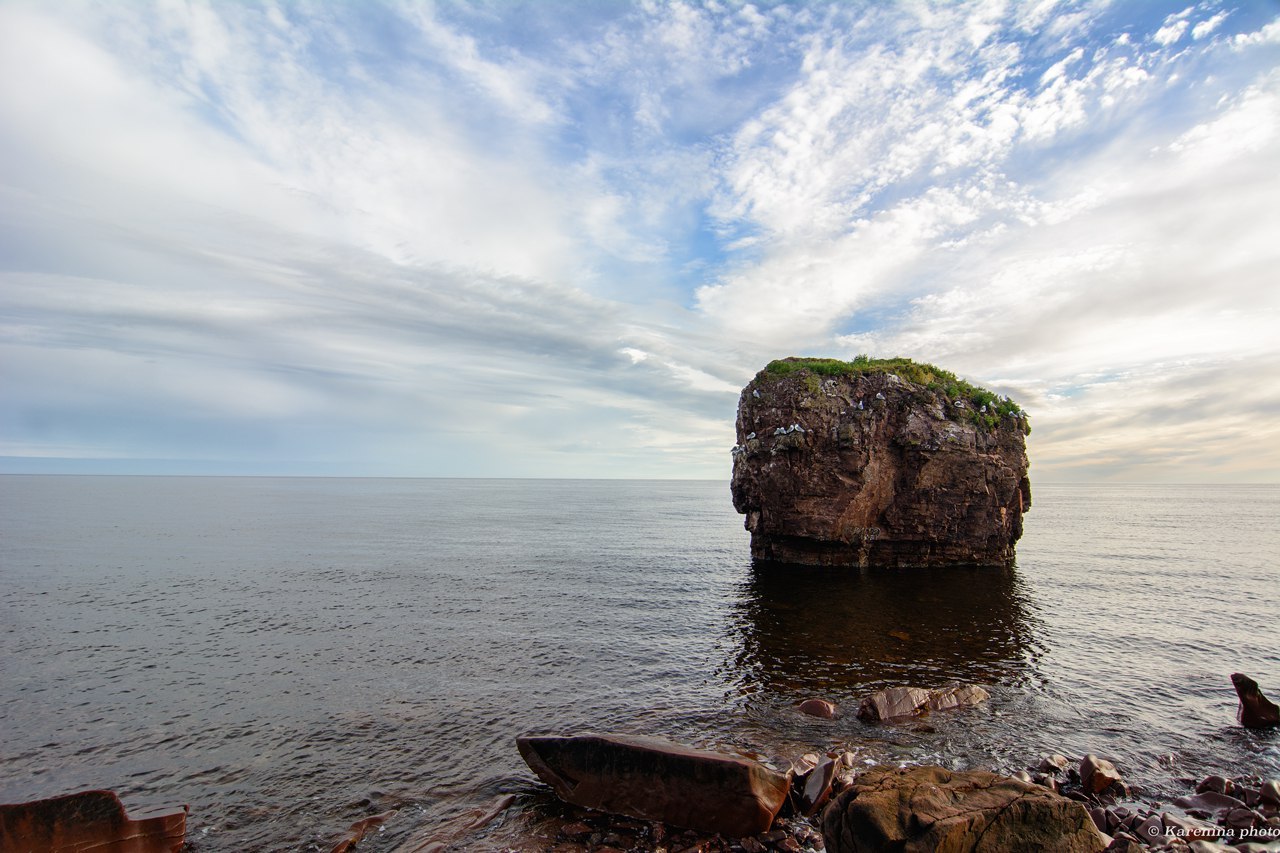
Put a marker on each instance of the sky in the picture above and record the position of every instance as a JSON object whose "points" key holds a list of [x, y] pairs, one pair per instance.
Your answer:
{"points": [[555, 239]]}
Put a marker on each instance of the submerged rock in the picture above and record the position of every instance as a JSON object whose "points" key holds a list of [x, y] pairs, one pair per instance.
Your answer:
{"points": [[1256, 711], [818, 708], [657, 780], [90, 821], [870, 463], [931, 808], [896, 702]]}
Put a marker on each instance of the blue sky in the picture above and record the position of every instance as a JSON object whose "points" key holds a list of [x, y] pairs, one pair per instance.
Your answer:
{"points": [[554, 239]]}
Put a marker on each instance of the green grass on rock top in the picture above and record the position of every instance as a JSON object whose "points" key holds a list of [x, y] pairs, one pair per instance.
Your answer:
{"points": [[933, 378]]}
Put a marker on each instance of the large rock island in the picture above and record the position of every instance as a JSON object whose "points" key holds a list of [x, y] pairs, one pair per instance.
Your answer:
{"points": [[878, 462]]}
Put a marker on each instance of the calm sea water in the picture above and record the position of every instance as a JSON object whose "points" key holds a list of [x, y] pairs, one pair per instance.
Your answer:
{"points": [[290, 655]]}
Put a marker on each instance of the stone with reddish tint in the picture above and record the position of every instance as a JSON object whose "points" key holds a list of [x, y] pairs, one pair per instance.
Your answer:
{"points": [[957, 697], [931, 808], [882, 472], [658, 780], [1217, 784], [1270, 792], [811, 790], [1209, 803], [1097, 774], [818, 708], [90, 821], [893, 703]]}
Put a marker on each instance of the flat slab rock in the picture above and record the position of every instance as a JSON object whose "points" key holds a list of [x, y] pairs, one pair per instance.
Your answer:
{"points": [[931, 808], [654, 779], [89, 822]]}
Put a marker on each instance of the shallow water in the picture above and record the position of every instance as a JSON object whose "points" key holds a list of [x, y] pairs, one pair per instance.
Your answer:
{"points": [[290, 655]]}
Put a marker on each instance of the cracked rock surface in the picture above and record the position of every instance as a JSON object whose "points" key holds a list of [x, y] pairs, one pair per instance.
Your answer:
{"points": [[876, 470], [932, 808]]}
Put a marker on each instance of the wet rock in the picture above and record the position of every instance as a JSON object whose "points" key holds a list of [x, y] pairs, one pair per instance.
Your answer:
{"points": [[1242, 819], [811, 789], [886, 472], [1125, 843], [931, 808], [1209, 803], [1097, 774], [1189, 829], [751, 845], [818, 708], [657, 780], [357, 831], [1151, 831], [1054, 764], [1207, 847], [90, 821], [1216, 784], [1270, 792], [893, 703], [1256, 711], [957, 697]]}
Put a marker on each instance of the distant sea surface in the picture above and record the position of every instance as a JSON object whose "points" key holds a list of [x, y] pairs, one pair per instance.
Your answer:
{"points": [[290, 655]]}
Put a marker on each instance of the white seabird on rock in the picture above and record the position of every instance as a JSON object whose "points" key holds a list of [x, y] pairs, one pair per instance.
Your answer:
{"points": [[750, 436], [756, 393]]}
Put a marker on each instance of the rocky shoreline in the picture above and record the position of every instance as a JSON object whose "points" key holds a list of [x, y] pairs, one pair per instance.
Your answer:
{"points": [[1217, 815]]}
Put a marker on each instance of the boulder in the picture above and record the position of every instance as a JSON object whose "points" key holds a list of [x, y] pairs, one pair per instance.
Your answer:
{"points": [[1256, 711], [931, 808], [892, 703], [658, 780], [818, 708], [90, 821], [1097, 774], [871, 463]]}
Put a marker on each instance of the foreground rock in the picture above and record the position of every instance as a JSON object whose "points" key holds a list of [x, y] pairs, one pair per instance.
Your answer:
{"points": [[1256, 711], [89, 821], [878, 463], [897, 702], [657, 780], [930, 808]]}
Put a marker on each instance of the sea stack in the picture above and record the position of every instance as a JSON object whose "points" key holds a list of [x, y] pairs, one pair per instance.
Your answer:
{"points": [[878, 462]]}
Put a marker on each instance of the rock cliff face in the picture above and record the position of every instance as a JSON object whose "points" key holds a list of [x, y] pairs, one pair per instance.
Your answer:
{"points": [[878, 463]]}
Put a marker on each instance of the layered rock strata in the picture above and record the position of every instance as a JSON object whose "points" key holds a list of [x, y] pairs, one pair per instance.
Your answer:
{"points": [[653, 779], [850, 463]]}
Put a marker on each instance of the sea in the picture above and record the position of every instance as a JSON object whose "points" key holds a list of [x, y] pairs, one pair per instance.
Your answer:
{"points": [[288, 656]]}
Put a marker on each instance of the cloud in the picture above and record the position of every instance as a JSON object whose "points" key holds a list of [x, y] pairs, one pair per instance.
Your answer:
{"points": [[417, 238]]}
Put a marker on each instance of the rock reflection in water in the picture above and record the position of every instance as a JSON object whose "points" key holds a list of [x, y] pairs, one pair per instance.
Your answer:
{"points": [[845, 632]]}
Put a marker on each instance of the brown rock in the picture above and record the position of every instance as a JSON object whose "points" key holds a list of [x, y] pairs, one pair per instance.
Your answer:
{"points": [[89, 821], [930, 808], [1270, 792], [1097, 774], [1218, 784], [870, 469], [818, 708], [658, 780], [892, 703], [357, 831], [957, 697], [751, 845], [811, 789], [1189, 829], [1209, 803], [1054, 763], [1256, 711]]}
